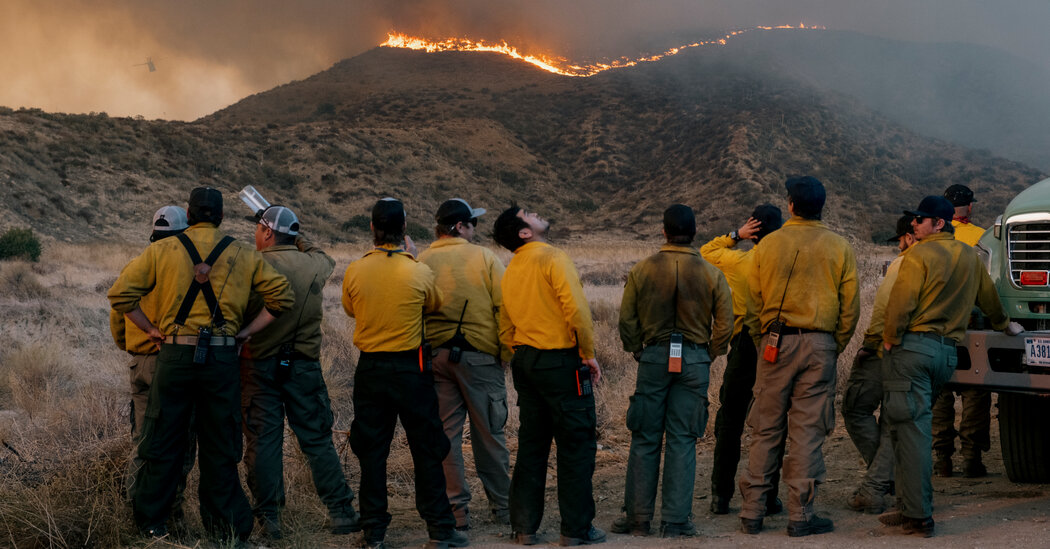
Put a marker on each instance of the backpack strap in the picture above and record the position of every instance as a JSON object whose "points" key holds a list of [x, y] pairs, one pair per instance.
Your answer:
{"points": [[198, 287]]}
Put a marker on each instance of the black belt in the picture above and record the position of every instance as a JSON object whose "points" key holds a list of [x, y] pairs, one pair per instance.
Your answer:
{"points": [[411, 354], [685, 343], [943, 340], [791, 330]]}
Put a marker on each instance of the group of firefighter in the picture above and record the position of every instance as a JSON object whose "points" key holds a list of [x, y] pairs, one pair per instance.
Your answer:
{"points": [[225, 346]]}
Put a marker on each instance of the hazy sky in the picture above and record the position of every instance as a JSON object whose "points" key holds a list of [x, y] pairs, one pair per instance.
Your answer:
{"points": [[77, 56]]}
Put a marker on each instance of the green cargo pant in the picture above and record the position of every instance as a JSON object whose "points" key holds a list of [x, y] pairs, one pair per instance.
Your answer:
{"points": [[974, 425], [794, 397], [474, 387], [861, 399], [671, 403], [912, 374], [266, 397], [210, 394], [141, 369]]}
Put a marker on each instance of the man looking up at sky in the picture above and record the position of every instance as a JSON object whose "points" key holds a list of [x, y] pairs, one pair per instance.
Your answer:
{"points": [[546, 320]]}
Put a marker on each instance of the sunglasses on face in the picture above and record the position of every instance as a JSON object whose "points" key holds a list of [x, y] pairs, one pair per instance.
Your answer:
{"points": [[919, 219]]}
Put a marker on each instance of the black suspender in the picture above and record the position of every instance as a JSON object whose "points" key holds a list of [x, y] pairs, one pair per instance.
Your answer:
{"points": [[197, 287]]}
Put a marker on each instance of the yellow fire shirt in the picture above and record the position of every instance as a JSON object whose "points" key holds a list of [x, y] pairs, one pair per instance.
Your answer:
{"points": [[387, 291], [468, 276], [939, 281], [166, 267], [736, 266], [543, 302], [821, 293]]}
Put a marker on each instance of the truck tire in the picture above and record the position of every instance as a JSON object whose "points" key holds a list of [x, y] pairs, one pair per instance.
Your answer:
{"points": [[1024, 435]]}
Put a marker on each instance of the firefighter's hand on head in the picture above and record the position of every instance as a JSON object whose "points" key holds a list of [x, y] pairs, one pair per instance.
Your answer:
{"points": [[1013, 329]]}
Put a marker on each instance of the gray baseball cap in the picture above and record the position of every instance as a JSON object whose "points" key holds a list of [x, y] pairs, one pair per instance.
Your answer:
{"points": [[170, 218], [280, 220]]}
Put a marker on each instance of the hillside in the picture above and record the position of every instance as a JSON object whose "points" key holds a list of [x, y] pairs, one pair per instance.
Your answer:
{"points": [[601, 155]]}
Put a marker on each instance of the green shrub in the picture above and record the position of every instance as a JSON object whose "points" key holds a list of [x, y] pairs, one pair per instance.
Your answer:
{"points": [[20, 244]]}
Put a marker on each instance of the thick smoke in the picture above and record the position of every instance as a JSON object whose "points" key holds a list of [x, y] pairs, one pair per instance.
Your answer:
{"points": [[65, 55]]}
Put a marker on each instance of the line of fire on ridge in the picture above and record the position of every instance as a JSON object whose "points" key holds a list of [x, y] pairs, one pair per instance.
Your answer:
{"points": [[560, 65]]}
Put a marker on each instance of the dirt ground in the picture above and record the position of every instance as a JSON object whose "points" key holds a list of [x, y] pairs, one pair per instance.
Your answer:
{"points": [[986, 512]]}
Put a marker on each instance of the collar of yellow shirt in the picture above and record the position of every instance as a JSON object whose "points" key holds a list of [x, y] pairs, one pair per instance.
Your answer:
{"points": [[388, 248], [679, 248]]}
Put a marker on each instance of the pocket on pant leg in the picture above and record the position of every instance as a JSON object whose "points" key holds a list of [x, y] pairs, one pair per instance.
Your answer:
{"points": [[698, 422], [635, 414], [578, 419], [497, 412], [898, 403]]}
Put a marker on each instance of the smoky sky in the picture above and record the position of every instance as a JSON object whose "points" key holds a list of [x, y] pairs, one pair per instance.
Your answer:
{"points": [[77, 56]]}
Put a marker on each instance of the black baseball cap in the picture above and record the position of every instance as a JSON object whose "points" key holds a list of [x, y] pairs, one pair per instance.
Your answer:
{"points": [[806, 193], [903, 227], [388, 215], [454, 210], [205, 202], [770, 217], [679, 220], [959, 195], [934, 206]]}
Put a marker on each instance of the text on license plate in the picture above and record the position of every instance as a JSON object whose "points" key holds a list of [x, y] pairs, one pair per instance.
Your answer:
{"points": [[1037, 351]]}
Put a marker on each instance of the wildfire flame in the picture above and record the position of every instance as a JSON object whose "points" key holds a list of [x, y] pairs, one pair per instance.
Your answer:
{"points": [[561, 65]]}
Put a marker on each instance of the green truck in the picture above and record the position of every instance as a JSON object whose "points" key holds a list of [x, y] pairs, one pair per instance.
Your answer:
{"points": [[1016, 251]]}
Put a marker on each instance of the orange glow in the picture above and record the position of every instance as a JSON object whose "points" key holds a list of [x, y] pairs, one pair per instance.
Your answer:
{"points": [[558, 65]]}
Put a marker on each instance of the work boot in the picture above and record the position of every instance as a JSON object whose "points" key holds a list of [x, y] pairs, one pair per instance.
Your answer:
{"points": [[592, 536], [774, 507], [865, 502], [719, 505], [892, 518], [345, 522], [624, 525], [520, 538], [372, 539], [750, 526], [942, 467], [973, 468], [454, 538], [501, 517], [918, 527], [815, 525], [270, 527], [677, 529]]}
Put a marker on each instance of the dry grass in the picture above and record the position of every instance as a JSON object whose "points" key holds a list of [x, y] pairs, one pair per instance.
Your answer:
{"points": [[63, 401]]}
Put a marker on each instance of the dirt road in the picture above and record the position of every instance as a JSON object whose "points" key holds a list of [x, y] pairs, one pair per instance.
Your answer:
{"points": [[987, 512]]}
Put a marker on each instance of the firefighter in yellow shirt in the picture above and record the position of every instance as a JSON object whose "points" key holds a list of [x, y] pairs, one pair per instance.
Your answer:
{"points": [[804, 305], [387, 292], [863, 394], [167, 221], [198, 323], [939, 281], [468, 359], [738, 380], [975, 422], [546, 320], [676, 317]]}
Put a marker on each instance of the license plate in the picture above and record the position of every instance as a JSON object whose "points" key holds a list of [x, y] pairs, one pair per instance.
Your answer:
{"points": [[1037, 351]]}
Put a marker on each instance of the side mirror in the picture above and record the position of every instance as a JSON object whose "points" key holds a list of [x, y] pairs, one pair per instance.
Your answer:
{"points": [[997, 229]]}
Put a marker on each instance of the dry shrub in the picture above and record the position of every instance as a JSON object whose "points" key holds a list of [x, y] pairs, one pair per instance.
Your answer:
{"points": [[36, 377], [17, 280], [79, 505]]}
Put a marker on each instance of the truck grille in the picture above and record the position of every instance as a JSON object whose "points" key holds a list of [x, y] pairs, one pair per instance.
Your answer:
{"points": [[1029, 248]]}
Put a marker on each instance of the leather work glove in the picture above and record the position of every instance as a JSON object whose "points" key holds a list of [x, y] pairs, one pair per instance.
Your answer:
{"points": [[1013, 329]]}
